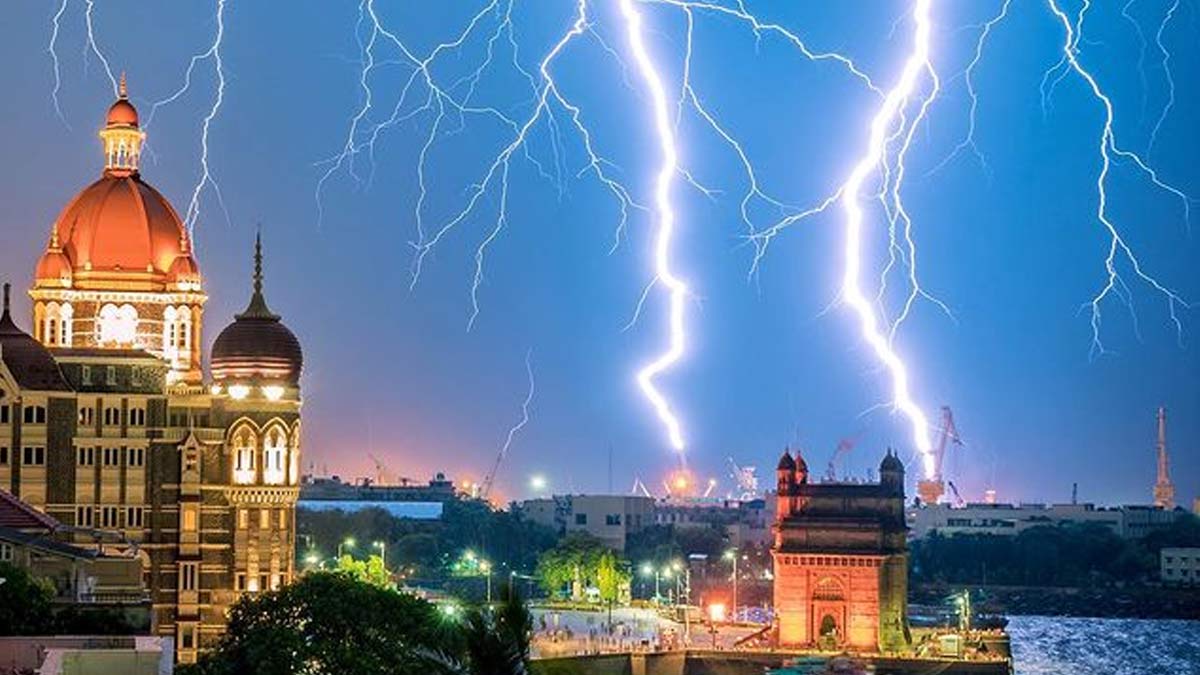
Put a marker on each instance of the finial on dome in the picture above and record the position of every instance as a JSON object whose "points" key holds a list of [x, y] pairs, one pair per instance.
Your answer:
{"points": [[54, 236], [258, 305], [258, 261], [122, 88], [7, 291]]}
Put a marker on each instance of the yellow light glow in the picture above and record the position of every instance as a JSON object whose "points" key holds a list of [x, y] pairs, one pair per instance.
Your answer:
{"points": [[716, 612], [216, 390], [238, 391], [273, 392]]}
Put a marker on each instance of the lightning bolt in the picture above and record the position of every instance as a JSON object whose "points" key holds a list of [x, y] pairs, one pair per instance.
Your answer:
{"points": [[213, 53], [889, 115], [677, 290], [442, 101], [1166, 66], [92, 46], [52, 50], [1118, 248], [516, 428]]}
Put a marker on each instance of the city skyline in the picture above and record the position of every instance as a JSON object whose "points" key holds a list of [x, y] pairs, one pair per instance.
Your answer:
{"points": [[397, 374]]}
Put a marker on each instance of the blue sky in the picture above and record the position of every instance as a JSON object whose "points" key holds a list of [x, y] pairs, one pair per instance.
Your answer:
{"points": [[1013, 249]]}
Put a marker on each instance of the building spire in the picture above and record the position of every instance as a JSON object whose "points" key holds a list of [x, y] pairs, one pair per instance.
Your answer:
{"points": [[122, 89], [7, 292], [257, 309], [1164, 490]]}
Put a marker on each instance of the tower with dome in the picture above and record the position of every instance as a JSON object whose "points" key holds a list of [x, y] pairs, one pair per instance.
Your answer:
{"points": [[109, 423]]}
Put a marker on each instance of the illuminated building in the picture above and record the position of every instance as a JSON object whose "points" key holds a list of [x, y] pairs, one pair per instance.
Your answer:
{"points": [[841, 561], [107, 421]]}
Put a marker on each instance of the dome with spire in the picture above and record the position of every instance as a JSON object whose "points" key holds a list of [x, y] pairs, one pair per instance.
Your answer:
{"points": [[119, 228], [257, 348]]}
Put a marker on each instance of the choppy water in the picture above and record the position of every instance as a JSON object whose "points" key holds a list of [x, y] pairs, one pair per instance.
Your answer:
{"points": [[1045, 645]]}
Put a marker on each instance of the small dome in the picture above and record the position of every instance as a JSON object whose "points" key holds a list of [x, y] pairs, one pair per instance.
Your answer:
{"points": [[184, 268], [891, 463], [257, 347], [122, 114], [53, 268]]}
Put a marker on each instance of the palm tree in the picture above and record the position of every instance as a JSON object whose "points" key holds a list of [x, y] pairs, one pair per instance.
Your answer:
{"points": [[497, 641]]}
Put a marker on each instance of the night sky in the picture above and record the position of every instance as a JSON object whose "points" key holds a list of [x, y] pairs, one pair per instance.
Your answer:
{"points": [[1013, 247]]}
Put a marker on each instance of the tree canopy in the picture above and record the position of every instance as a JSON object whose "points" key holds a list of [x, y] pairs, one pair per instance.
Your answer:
{"points": [[331, 623]]}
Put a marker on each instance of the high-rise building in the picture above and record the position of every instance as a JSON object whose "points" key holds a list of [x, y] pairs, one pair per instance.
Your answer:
{"points": [[107, 420], [841, 560]]}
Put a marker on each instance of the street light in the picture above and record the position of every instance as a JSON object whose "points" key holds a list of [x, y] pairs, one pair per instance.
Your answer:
{"points": [[382, 546], [348, 542], [732, 554], [537, 482], [312, 559], [648, 570], [486, 568]]}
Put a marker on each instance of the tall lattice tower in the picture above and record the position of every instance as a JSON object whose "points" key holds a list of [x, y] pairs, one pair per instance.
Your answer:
{"points": [[1164, 490]]}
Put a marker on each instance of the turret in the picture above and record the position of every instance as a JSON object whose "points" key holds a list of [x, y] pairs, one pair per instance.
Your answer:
{"points": [[785, 473], [801, 472], [891, 472]]}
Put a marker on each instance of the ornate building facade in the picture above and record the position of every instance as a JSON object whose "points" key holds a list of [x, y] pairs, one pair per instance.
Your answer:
{"points": [[107, 421], [841, 561]]}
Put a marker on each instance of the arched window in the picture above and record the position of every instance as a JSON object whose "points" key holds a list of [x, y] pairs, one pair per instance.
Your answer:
{"points": [[274, 456], [117, 325], [56, 324], [294, 458], [245, 443]]}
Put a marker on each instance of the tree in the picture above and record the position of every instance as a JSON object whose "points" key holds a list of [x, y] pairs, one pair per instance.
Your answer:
{"points": [[610, 574], [327, 623], [369, 571], [24, 602], [574, 559]]}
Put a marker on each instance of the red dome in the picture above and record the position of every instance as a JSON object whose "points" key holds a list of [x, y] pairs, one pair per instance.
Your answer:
{"points": [[54, 267], [121, 224], [122, 114]]}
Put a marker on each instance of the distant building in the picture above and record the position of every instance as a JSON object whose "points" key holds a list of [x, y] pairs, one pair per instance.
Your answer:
{"points": [[1011, 519], [1179, 566], [610, 518], [841, 560]]}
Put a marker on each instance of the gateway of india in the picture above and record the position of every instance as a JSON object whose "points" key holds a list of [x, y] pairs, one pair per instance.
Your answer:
{"points": [[109, 422]]}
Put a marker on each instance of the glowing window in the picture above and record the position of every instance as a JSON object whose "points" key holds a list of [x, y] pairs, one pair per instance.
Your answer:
{"points": [[274, 469], [117, 325], [243, 457]]}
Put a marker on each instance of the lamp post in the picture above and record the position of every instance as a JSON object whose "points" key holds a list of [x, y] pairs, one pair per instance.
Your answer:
{"points": [[732, 554], [348, 542], [650, 570], [486, 567], [382, 546]]}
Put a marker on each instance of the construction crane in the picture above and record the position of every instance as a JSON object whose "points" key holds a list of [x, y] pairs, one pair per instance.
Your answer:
{"points": [[930, 490], [845, 445], [380, 469], [958, 500]]}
